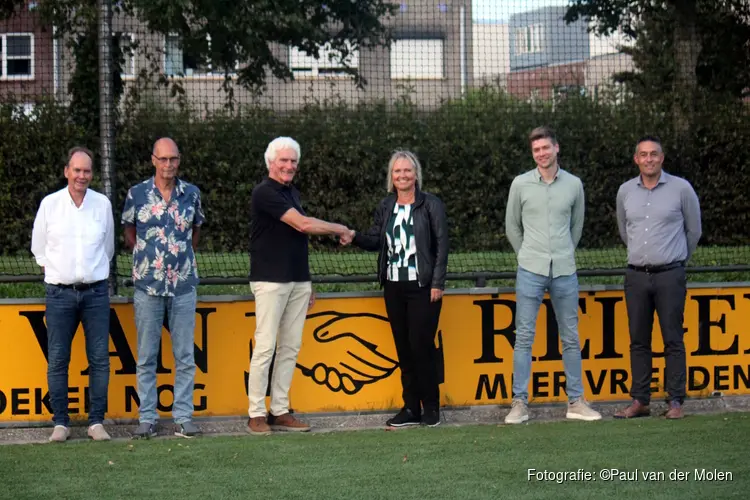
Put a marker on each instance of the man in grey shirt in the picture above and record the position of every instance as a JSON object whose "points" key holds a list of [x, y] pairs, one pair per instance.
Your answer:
{"points": [[544, 222], [659, 219]]}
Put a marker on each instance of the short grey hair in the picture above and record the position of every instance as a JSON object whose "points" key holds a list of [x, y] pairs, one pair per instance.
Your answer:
{"points": [[279, 144], [407, 155]]}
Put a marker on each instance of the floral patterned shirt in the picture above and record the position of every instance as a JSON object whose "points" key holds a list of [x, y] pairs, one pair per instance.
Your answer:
{"points": [[163, 258]]}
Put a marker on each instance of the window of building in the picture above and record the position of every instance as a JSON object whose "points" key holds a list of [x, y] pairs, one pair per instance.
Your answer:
{"points": [[126, 44], [178, 62], [16, 56], [181, 62], [560, 93], [328, 62], [529, 39], [563, 91], [417, 59]]}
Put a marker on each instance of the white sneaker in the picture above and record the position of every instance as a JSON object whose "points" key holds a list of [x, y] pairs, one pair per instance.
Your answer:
{"points": [[97, 433], [59, 434], [519, 412], [580, 410]]}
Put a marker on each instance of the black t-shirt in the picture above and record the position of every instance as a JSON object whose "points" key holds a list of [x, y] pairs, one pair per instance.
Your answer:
{"points": [[278, 252]]}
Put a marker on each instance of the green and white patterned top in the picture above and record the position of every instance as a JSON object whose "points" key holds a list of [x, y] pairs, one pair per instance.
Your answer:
{"points": [[402, 246]]}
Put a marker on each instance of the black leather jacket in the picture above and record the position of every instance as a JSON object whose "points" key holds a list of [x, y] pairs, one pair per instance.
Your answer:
{"points": [[430, 232]]}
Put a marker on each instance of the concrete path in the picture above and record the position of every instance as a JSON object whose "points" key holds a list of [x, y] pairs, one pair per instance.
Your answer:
{"points": [[18, 433]]}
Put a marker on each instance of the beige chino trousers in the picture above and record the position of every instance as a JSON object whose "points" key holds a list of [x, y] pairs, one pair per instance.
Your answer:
{"points": [[280, 312]]}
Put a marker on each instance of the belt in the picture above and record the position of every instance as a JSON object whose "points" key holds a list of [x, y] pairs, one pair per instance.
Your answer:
{"points": [[79, 287], [657, 269]]}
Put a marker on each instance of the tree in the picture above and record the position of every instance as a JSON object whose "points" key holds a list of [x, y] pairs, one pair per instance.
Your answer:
{"points": [[241, 30], [684, 49], [8, 8], [84, 82]]}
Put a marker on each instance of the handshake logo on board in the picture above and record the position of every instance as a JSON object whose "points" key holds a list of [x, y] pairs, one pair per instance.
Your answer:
{"points": [[357, 350]]}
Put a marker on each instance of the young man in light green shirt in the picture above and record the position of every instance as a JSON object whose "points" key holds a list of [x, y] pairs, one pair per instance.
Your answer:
{"points": [[544, 222]]}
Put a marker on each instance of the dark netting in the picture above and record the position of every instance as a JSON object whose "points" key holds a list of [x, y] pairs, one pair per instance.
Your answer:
{"points": [[357, 263], [460, 83]]}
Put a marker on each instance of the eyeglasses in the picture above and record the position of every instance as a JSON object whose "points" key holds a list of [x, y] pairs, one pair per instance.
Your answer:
{"points": [[171, 159]]}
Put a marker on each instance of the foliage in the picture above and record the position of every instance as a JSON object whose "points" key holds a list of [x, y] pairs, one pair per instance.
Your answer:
{"points": [[8, 8], [470, 150], [84, 86], [32, 155], [722, 29], [688, 54], [232, 33]]}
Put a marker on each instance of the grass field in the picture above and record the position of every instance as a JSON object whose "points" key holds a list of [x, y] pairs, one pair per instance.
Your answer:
{"points": [[354, 262], [447, 462]]}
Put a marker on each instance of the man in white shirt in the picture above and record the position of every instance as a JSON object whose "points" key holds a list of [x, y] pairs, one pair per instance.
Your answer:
{"points": [[73, 241]]}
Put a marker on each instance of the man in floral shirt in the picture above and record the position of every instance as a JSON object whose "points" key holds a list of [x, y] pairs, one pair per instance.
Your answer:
{"points": [[162, 219]]}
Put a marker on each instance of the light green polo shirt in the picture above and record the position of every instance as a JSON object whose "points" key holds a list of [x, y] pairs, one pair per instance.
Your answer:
{"points": [[544, 222]]}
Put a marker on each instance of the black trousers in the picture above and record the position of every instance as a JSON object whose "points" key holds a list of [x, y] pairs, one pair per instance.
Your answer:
{"points": [[414, 321], [664, 293]]}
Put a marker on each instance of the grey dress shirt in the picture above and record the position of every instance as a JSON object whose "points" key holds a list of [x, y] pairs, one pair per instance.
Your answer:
{"points": [[660, 225]]}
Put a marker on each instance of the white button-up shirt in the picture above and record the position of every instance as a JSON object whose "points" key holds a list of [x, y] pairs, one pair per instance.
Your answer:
{"points": [[74, 244]]}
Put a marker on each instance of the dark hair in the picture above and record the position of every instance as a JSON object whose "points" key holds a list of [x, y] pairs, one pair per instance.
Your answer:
{"points": [[648, 138], [542, 133], [78, 149]]}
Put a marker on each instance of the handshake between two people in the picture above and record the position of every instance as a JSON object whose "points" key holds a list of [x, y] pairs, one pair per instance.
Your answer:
{"points": [[346, 235]]}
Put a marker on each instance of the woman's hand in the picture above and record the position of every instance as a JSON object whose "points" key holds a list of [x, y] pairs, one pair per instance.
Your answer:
{"points": [[347, 237], [435, 294]]}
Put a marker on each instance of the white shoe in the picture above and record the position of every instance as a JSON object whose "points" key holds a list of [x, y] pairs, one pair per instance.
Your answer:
{"points": [[97, 433], [59, 434], [519, 412], [580, 410]]}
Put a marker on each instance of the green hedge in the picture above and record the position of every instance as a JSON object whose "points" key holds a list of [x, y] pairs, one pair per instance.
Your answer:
{"points": [[470, 149]]}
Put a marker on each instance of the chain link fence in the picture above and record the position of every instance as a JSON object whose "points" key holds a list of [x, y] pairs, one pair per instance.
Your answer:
{"points": [[461, 83]]}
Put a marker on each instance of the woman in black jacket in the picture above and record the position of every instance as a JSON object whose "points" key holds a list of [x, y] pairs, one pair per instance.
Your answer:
{"points": [[411, 235]]}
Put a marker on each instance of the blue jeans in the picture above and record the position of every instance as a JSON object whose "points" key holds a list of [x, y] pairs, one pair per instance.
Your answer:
{"points": [[563, 292], [65, 310], [149, 319]]}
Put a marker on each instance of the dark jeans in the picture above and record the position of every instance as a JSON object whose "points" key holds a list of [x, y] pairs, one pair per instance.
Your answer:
{"points": [[65, 309], [664, 293], [414, 321]]}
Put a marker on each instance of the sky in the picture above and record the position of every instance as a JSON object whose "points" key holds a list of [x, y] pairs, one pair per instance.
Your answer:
{"points": [[501, 10]]}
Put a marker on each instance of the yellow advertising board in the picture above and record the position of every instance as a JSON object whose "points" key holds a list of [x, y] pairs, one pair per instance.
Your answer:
{"points": [[348, 360]]}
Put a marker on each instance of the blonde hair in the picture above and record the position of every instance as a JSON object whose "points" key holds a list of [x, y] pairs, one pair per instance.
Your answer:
{"points": [[407, 155]]}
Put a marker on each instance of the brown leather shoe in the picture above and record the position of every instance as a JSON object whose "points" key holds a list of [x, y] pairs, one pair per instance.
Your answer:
{"points": [[636, 409], [675, 410], [257, 426], [288, 423]]}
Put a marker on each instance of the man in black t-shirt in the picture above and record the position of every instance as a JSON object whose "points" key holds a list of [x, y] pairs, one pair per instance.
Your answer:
{"points": [[280, 281]]}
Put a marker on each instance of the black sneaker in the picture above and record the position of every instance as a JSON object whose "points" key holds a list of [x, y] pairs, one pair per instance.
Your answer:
{"points": [[431, 418], [403, 418]]}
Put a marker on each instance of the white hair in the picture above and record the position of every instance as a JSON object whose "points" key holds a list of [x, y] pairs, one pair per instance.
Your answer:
{"points": [[411, 158], [279, 144]]}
